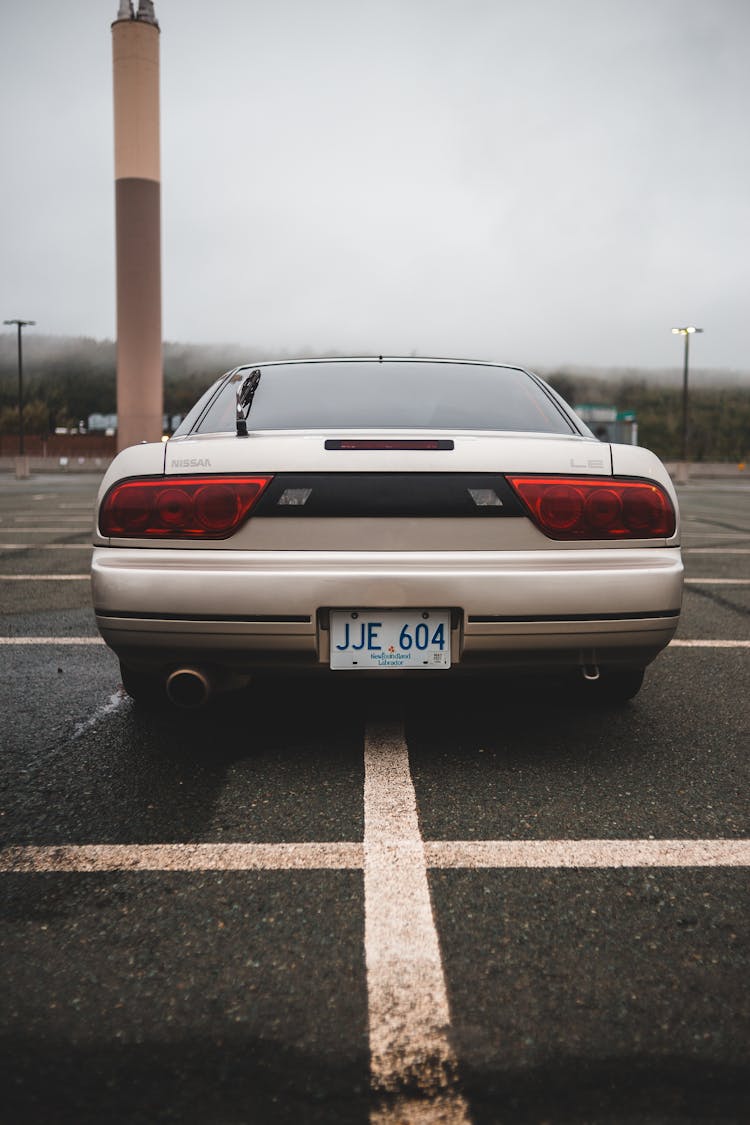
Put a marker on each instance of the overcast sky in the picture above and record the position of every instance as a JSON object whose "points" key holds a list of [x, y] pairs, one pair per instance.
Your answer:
{"points": [[533, 181]]}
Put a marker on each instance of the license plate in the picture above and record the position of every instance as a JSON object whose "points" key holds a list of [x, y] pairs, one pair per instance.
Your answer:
{"points": [[390, 638]]}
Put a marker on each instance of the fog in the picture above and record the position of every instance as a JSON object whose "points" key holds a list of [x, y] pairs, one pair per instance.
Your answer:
{"points": [[44, 354], [544, 183]]}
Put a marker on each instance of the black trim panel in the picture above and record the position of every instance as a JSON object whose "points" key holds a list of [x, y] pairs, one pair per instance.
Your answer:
{"points": [[488, 619], [282, 618], [361, 495]]}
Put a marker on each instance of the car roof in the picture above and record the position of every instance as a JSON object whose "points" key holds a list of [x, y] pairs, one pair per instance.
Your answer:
{"points": [[379, 359]]}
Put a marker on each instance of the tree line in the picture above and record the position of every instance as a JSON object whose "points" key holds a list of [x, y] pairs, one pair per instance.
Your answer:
{"points": [[67, 379], [718, 416]]}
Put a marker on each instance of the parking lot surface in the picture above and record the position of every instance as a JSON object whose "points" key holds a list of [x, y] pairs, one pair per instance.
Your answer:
{"points": [[375, 901]]}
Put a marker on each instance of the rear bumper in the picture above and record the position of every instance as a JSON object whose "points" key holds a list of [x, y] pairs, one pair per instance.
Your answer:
{"points": [[268, 609]]}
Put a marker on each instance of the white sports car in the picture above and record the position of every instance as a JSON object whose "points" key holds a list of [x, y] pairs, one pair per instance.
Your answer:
{"points": [[385, 516]]}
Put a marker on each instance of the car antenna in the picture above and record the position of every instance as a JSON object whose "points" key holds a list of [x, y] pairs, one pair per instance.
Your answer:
{"points": [[245, 394]]}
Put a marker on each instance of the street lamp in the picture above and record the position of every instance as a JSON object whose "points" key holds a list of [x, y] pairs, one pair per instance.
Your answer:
{"points": [[687, 333], [20, 324]]}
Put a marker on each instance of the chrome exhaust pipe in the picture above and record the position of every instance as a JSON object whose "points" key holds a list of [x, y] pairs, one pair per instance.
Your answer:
{"points": [[590, 671], [188, 687]]}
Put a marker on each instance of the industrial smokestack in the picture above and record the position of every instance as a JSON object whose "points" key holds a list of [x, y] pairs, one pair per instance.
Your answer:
{"points": [[146, 11], [135, 53]]}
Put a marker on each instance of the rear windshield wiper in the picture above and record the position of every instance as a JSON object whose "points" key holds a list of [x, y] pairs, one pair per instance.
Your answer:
{"points": [[245, 394]]}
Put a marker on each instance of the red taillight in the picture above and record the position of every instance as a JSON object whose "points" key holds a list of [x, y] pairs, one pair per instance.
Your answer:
{"points": [[596, 508], [180, 507]]}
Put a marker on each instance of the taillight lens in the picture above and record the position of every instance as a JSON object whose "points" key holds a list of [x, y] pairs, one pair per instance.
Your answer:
{"points": [[596, 508], [180, 507]]}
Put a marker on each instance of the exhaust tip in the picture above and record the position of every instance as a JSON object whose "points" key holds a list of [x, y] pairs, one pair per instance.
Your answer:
{"points": [[188, 687]]}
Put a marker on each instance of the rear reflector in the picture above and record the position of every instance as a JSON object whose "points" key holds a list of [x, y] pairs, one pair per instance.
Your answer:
{"points": [[596, 508], [180, 507]]}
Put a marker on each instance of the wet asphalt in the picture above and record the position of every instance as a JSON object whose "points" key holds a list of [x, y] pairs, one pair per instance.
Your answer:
{"points": [[615, 995]]}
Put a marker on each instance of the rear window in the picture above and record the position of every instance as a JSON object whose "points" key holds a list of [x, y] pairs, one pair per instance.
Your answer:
{"points": [[350, 395]]}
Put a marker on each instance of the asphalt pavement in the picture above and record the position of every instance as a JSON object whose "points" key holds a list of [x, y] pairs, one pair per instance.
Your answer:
{"points": [[371, 902]]}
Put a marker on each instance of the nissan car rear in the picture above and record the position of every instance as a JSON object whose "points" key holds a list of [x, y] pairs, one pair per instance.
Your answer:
{"points": [[385, 517]]}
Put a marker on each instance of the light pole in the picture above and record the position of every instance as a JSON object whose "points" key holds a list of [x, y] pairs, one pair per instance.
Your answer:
{"points": [[20, 324], [687, 332]]}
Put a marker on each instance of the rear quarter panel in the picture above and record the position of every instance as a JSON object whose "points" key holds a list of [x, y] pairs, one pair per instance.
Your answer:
{"points": [[634, 461]]}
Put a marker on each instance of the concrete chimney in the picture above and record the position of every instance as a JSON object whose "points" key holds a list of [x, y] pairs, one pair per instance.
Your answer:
{"points": [[146, 12], [135, 52]]}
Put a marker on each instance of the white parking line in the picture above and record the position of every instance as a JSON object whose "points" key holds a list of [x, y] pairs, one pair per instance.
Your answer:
{"points": [[716, 550], [708, 644], [51, 641], [98, 641], [717, 581], [587, 853], [44, 577], [85, 577], [183, 857], [349, 856], [81, 529], [413, 1069], [45, 547]]}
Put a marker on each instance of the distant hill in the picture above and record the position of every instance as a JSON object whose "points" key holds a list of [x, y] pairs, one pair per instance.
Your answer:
{"points": [[68, 378]]}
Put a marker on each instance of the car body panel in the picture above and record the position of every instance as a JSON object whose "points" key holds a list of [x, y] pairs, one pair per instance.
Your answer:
{"points": [[306, 452], [290, 453], [628, 602], [260, 598]]}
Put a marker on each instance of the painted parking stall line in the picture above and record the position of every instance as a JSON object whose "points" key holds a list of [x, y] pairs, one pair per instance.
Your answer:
{"points": [[413, 1067], [350, 856], [717, 581], [183, 857], [85, 577], [707, 644], [44, 577], [587, 853], [51, 641], [729, 536], [99, 641]]}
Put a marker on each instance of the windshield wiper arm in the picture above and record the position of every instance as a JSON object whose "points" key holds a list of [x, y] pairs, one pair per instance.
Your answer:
{"points": [[245, 394]]}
